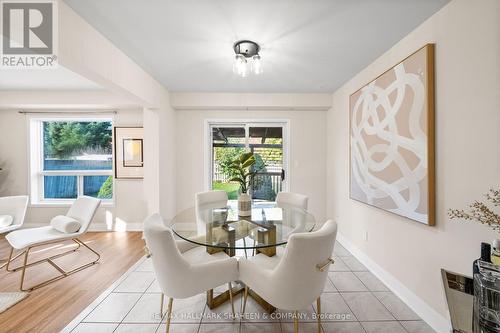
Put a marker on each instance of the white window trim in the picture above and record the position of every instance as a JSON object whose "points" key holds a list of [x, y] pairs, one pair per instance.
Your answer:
{"points": [[35, 165], [245, 123]]}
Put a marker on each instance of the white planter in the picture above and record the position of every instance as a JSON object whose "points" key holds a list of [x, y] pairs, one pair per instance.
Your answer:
{"points": [[244, 205]]}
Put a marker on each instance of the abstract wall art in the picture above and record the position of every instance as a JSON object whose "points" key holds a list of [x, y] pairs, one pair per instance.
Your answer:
{"points": [[392, 139], [129, 152]]}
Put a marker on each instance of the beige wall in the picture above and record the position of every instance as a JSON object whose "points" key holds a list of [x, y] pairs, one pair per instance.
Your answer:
{"points": [[168, 143], [307, 152], [130, 206], [467, 35], [159, 166]]}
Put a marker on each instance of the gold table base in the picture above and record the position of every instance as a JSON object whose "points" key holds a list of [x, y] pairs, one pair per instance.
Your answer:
{"points": [[215, 301]]}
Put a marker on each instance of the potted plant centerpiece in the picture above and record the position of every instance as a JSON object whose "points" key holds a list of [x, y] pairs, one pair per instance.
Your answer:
{"points": [[243, 173]]}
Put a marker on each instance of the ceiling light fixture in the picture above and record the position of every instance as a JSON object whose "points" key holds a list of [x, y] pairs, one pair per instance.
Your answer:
{"points": [[246, 51]]}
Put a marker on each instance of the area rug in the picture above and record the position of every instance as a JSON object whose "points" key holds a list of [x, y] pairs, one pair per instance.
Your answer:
{"points": [[9, 299]]}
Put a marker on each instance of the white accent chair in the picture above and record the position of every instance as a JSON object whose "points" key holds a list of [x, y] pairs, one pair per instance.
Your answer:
{"points": [[293, 200], [208, 200], [183, 269], [284, 199], [296, 278], [14, 206], [83, 210]]}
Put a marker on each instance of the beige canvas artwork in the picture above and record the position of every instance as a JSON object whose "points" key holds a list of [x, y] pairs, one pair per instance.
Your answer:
{"points": [[392, 139]]}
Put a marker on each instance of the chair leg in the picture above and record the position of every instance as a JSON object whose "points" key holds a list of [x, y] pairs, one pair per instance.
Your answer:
{"points": [[296, 322], [231, 298], [49, 260], [169, 313], [245, 296], [318, 312], [25, 262], [11, 258], [6, 264], [77, 241], [161, 305]]}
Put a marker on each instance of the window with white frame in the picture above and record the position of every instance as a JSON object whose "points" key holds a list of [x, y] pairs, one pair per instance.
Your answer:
{"points": [[70, 157]]}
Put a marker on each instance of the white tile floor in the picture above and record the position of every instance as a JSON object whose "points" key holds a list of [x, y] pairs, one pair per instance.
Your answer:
{"points": [[354, 301]]}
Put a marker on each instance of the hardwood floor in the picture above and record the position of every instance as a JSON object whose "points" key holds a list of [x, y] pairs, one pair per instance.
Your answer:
{"points": [[52, 307]]}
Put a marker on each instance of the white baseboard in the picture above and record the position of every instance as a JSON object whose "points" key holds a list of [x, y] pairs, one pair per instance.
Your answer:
{"points": [[428, 314], [96, 226]]}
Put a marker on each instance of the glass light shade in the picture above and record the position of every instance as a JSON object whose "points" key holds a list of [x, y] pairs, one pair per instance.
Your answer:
{"points": [[240, 65], [256, 64]]}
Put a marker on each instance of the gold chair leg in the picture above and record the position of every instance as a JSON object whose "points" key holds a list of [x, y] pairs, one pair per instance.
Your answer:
{"points": [[296, 322], [161, 305], [169, 313], [49, 260], [77, 241], [11, 258], [245, 296], [318, 312], [231, 298], [24, 267]]}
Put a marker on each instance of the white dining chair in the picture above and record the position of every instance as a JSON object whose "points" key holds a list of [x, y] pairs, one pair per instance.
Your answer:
{"points": [[12, 208], [293, 205], [82, 210], [185, 271], [204, 202], [286, 199], [295, 278]]}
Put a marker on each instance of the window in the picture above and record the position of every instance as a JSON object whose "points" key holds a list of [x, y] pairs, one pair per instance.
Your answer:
{"points": [[265, 140], [70, 157]]}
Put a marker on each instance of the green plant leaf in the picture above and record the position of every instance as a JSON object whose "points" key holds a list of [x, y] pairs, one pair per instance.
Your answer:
{"points": [[249, 162], [245, 156]]}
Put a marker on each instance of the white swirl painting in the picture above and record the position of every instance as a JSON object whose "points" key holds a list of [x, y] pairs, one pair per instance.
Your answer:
{"points": [[392, 139]]}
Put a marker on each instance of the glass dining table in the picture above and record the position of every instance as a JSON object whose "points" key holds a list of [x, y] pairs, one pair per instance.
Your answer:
{"points": [[222, 229]]}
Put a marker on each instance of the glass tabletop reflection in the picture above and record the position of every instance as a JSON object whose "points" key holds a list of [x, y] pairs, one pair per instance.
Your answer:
{"points": [[222, 227]]}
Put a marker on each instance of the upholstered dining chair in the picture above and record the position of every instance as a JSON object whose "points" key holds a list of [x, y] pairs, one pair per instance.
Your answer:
{"points": [[296, 202], [12, 211], [82, 210], [183, 269], [284, 199], [296, 278], [209, 199]]}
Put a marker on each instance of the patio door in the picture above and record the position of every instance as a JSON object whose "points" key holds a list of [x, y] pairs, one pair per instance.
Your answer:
{"points": [[267, 140]]}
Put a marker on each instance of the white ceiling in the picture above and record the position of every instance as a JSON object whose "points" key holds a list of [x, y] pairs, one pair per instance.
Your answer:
{"points": [[59, 78], [307, 46]]}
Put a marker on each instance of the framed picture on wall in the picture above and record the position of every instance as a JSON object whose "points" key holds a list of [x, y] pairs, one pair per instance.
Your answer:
{"points": [[391, 123], [129, 152]]}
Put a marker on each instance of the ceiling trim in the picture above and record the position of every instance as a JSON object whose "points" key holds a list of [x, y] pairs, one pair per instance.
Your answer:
{"points": [[62, 99], [235, 101]]}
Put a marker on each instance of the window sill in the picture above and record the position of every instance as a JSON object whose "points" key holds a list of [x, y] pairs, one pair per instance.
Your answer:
{"points": [[59, 204]]}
